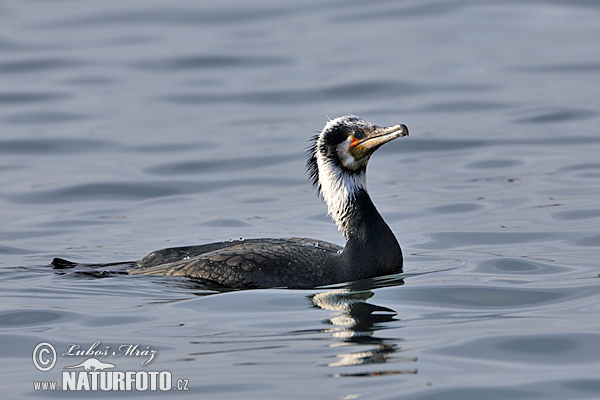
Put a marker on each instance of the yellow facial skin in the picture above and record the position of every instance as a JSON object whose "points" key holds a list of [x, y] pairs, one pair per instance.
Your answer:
{"points": [[367, 142], [355, 151]]}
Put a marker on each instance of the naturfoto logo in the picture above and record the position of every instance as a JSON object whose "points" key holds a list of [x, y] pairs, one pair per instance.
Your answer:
{"points": [[95, 374]]}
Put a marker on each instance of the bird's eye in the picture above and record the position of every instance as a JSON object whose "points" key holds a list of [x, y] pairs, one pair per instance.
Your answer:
{"points": [[357, 134]]}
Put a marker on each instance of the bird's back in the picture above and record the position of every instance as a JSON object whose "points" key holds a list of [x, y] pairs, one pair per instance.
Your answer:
{"points": [[289, 262]]}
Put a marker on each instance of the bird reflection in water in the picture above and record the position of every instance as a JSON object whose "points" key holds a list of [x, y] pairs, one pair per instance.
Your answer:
{"points": [[355, 323]]}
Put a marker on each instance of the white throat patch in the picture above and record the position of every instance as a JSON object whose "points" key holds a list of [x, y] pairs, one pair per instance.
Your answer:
{"points": [[338, 188]]}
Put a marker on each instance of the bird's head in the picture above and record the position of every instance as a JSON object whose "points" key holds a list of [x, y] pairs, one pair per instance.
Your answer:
{"points": [[339, 155]]}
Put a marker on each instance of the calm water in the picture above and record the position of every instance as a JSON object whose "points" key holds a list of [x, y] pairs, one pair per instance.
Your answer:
{"points": [[129, 126]]}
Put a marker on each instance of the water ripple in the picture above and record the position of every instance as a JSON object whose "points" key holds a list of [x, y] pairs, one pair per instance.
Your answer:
{"points": [[575, 215], [584, 67], [465, 106], [556, 115], [566, 349], [489, 298], [35, 65], [365, 90], [50, 146], [44, 117], [170, 16], [29, 318], [21, 97], [516, 266], [210, 61], [220, 165], [135, 191], [487, 238]]}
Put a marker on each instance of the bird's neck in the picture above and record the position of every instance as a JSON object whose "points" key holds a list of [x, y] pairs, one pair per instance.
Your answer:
{"points": [[371, 247], [338, 189]]}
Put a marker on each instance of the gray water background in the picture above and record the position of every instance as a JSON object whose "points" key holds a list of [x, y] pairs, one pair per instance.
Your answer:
{"points": [[130, 126]]}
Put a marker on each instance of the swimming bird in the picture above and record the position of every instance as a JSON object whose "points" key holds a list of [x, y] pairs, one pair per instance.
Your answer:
{"points": [[337, 163]]}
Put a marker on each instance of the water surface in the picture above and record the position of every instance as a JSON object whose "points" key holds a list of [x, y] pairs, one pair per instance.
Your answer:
{"points": [[133, 126]]}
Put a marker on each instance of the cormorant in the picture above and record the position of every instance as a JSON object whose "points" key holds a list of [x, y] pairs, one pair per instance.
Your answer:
{"points": [[337, 163]]}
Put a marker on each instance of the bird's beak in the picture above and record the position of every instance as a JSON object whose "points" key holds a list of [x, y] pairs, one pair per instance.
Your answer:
{"points": [[361, 148]]}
